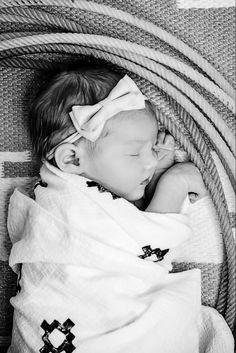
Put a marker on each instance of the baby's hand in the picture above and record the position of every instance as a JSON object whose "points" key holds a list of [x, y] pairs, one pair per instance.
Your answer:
{"points": [[188, 174], [173, 187], [165, 157], [165, 151]]}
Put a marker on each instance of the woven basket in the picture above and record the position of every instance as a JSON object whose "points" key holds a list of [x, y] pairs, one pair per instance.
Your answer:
{"points": [[182, 60]]}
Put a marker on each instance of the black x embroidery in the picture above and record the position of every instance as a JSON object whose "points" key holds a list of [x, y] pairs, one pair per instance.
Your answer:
{"points": [[65, 328], [148, 251], [101, 188]]}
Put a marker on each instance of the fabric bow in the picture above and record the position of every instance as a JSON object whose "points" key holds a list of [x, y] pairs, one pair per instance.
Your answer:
{"points": [[89, 120]]}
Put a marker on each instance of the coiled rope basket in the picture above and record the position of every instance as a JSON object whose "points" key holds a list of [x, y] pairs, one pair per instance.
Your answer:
{"points": [[182, 60]]}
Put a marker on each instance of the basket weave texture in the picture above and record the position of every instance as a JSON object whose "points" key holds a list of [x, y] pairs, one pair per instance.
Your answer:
{"points": [[182, 60]]}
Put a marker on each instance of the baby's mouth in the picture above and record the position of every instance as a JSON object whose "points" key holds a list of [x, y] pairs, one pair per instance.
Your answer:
{"points": [[146, 181]]}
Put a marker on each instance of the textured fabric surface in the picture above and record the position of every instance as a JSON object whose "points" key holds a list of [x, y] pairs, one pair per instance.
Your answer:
{"points": [[94, 273], [211, 32]]}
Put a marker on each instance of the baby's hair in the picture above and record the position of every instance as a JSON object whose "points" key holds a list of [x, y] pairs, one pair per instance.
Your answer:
{"points": [[49, 121]]}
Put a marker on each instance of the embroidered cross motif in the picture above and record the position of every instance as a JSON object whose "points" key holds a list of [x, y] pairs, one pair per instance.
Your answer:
{"points": [[66, 345], [148, 251], [101, 188]]}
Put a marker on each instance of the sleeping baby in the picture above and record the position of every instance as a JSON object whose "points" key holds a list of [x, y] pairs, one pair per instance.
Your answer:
{"points": [[93, 250]]}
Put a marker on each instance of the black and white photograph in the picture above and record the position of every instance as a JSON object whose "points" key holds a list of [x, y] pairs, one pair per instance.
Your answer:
{"points": [[117, 176]]}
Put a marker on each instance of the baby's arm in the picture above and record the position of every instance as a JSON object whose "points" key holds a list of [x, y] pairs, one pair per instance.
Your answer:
{"points": [[173, 187]]}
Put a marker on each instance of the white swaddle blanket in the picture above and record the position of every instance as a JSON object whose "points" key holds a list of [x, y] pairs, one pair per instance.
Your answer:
{"points": [[83, 286]]}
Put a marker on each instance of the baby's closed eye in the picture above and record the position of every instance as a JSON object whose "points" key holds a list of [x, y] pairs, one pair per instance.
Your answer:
{"points": [[134, 154]]}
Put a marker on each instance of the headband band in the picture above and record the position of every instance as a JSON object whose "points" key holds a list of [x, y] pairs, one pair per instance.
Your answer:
{"points": [[89, 120]]}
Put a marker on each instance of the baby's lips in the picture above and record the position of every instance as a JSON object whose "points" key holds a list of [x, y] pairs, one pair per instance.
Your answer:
{"points": [[146, 181]]}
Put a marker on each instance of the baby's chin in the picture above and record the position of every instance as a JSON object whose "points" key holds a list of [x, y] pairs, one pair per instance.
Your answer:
{"points": [[134, 196]]}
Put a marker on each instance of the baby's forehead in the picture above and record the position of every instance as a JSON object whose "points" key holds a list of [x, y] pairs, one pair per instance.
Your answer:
{"points": [[130, 117], [133, 125]]}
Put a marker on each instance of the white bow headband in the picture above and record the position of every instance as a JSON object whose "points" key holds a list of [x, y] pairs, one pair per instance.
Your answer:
{"points": [[89, 120]]}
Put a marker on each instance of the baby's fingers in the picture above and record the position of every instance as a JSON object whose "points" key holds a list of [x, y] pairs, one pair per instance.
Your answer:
{"points": [[169, 141], [165, 141], [161, 137]]}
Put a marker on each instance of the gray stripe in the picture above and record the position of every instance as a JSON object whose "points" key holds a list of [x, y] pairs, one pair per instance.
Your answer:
{"points": [[7, 290], [20, 169], [210, 278]]}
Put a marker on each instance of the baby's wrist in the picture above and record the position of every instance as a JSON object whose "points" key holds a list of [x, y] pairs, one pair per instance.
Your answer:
{"points": [[175, 178], [175, 183]]}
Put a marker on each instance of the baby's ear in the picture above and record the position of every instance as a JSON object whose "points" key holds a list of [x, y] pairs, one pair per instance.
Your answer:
{"points": [[67, 158]]}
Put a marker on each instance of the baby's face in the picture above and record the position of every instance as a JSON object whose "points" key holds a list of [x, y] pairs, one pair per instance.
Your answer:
{"points": [[125, 160]]}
